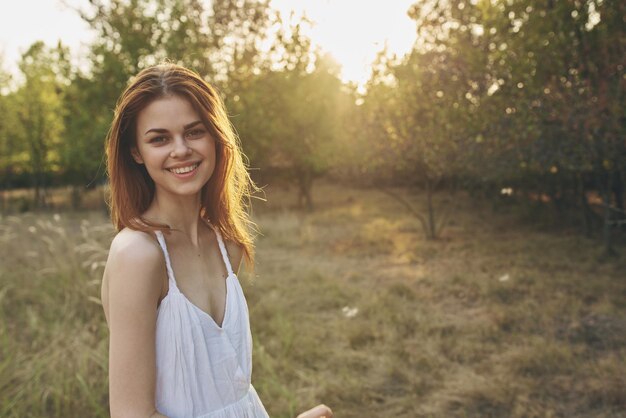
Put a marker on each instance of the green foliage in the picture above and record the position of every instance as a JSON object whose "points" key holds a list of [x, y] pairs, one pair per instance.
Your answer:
{"points": [[542, 80], [238, 29], [12, 152], [40, 111], [499, 94], [494, 94], [291, 115]]}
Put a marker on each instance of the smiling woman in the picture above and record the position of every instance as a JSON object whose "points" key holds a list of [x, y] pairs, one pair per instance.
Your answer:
{"points": [[174, 146], [180, 343]]}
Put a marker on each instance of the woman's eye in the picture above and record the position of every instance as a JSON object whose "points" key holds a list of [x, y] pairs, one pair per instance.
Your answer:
{"points": [[196, 133], [158, 139]]}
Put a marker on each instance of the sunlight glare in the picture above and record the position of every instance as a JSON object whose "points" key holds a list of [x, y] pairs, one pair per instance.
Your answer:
{"points": [[354, 31]]}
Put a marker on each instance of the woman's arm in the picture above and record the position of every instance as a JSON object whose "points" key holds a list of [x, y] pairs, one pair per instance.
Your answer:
{"points": [[135, 272], [320, 411]]}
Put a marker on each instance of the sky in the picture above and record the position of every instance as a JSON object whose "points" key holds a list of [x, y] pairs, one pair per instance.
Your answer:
{"points": [[351, 30]]}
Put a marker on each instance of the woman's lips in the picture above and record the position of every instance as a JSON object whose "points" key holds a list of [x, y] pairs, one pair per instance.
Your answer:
{"points": [[184, 172]]}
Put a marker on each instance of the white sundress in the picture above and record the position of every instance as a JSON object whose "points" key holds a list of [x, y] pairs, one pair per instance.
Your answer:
{"points": [[204, 370]]}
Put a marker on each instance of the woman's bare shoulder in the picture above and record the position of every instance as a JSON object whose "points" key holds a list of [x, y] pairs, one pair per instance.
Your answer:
{"points": [[135, 243], [131, 249], [134, 272]]}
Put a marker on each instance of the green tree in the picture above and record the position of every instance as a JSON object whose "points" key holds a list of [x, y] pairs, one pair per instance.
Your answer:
{"points": [[291, 114], [546, 79], [134, 34], [415, 117], [85, 123], [238, 30], [40, 111], [11, 150]]}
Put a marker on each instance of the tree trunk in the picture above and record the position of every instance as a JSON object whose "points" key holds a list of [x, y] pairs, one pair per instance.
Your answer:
{"points": [[606, 230], [557, 199], [39, 200], [77, 197], [432, 233], [584, 206], [305, 186], [618, 194]]}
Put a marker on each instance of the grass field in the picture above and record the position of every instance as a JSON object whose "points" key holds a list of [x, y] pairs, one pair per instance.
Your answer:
{"points": [[349, 306]]}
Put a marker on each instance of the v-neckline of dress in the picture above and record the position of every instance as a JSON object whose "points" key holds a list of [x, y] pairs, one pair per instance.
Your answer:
{"points": [[172, 276], [206, 314]]}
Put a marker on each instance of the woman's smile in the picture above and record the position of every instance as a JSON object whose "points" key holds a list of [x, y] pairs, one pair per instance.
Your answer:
{"points": [[184, 171]]}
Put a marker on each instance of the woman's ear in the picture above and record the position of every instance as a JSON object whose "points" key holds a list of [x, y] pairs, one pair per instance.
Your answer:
{"points": [[136, 156]]}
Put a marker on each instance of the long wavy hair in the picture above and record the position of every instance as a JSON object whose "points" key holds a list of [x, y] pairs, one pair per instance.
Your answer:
{"points": [[225, 198]]}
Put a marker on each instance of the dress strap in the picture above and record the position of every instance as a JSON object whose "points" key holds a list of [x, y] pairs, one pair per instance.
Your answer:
{"points": [[168, 263], [220, 242]]}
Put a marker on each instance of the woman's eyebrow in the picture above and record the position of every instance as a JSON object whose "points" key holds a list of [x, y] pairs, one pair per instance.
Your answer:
{"points": [[161, 130], [157, 130], [191, 125]]}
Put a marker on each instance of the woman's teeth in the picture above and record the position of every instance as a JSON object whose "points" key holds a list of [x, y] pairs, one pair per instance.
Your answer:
{"points": [[183, 170]]}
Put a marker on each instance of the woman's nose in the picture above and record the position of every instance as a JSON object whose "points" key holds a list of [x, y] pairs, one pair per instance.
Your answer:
{"points": [[181, 148]]}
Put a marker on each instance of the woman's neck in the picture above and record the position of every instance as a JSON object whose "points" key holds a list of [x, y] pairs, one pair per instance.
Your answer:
{"points": [[181, 213]]}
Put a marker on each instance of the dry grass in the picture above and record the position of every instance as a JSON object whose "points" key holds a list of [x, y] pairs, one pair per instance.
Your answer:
{"points": [[350, 306]]}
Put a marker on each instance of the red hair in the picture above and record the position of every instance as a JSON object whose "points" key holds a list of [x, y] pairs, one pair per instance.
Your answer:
{"points": [[225, 198]]}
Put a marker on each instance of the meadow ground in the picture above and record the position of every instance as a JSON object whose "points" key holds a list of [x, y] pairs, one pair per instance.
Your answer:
{"points": [[351, 306]]}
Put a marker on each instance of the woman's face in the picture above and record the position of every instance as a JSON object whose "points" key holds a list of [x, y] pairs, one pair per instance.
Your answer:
{"points": [[175, 146]]}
